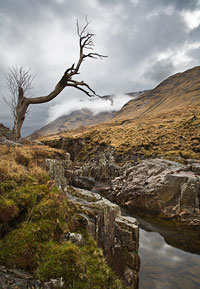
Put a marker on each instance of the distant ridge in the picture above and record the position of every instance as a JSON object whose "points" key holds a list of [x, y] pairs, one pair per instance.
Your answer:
{"points": [[82, 117], [162, 122]]}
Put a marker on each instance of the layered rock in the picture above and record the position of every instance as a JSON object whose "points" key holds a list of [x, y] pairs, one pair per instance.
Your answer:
{"points": [[57, 169], [116, 235], [160, 187]]}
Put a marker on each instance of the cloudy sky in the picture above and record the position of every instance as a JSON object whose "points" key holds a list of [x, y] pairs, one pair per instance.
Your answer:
{"points": [[145, 40]]}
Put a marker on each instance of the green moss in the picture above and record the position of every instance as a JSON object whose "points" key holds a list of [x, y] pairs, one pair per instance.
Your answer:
{"points": [[35, 218], [82, 267], [28, 247], [7, 187], [8, 210], [20, 248], [26, 197], [42, 178], [98, 272], [62, 260]]}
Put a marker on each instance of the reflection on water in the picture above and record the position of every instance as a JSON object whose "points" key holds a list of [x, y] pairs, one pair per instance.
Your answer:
{"points": [[165, 267]]}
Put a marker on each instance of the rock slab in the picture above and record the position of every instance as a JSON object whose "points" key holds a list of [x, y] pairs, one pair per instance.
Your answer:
{"points": [[160, 187]]}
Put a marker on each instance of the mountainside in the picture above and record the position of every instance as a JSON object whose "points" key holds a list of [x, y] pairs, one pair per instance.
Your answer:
{"points": [[81, 117], [164, 121], [180, 91], [51, 232]]}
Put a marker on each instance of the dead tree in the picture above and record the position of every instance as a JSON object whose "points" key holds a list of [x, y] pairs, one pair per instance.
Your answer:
{"points": [[19, 82]]}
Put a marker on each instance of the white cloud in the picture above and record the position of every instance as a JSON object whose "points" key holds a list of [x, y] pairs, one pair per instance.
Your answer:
{"points": [[96, 105], [191, 18], [42, 36]]}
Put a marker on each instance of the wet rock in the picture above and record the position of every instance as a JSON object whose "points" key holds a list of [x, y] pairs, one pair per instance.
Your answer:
{"points": [[189, 198], [116, 235], [162, 187]]}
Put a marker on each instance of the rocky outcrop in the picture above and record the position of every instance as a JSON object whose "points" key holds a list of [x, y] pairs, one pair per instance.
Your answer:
{"points": [[13, 279], [9, 143], [160, 187], [116, 235], [5, 132], [57, 170]]}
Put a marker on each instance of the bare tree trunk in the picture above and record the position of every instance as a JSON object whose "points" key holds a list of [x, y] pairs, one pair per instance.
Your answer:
{"points": [[20, 113], [19, 82]]}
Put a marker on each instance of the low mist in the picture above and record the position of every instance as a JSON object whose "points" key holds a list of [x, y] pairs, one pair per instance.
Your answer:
{"points": [[96, 105]]}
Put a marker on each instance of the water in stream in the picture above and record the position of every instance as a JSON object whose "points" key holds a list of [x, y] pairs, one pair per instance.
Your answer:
{"points": [[166, 267]]}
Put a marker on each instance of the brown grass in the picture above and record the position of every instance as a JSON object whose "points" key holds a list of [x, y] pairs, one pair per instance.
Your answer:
{"points": [[16, 162], [164, 121]]}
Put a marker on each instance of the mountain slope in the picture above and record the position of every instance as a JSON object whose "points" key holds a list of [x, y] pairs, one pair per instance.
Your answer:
{"points": [[84, 116], [175, 93], [162, 122]]}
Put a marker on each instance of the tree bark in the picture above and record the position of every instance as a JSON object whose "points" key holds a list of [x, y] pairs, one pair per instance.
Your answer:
{"points": [[21, 110], [85, 42]]}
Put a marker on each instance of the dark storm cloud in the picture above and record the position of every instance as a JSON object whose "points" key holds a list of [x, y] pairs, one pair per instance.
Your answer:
{"points": [[178, 4], [195, 34], [194, 54], [135, 34], [159, 70]]}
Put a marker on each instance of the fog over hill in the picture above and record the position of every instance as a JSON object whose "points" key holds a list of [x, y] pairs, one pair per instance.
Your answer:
{"points": [[107, 103], [74, 113]]}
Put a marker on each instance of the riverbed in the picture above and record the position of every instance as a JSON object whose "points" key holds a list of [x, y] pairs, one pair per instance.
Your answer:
{"points": [[164, 266]]}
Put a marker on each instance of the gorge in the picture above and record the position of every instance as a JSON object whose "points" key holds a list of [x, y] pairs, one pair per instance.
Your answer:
{"points": [[140, 169]]}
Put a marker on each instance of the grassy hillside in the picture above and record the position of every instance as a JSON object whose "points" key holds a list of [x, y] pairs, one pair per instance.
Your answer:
{"points": [[82, 117], [164, 121], [35, 217], [178, 92]]}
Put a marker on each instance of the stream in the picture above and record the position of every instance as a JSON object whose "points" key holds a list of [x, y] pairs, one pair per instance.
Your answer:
{"points": [[169, 255], [164, 266]]}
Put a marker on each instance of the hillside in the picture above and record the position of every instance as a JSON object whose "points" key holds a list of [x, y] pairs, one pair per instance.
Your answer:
{"points": [[180, 91], [164, 121], [82, 117], [55, 212], [42, 231]]}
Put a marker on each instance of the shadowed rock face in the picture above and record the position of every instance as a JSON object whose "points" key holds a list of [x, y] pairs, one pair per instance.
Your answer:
{"points": [[161, 187], [116, 235], [5, 132]]}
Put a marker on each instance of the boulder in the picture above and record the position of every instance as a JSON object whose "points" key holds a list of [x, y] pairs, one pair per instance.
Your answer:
{"points": [[160, 187]]}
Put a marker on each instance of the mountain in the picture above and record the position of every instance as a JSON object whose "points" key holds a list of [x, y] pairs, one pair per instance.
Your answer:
{"points": [[178, 92], [81, 117], [78, 118], [162, 122]]}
